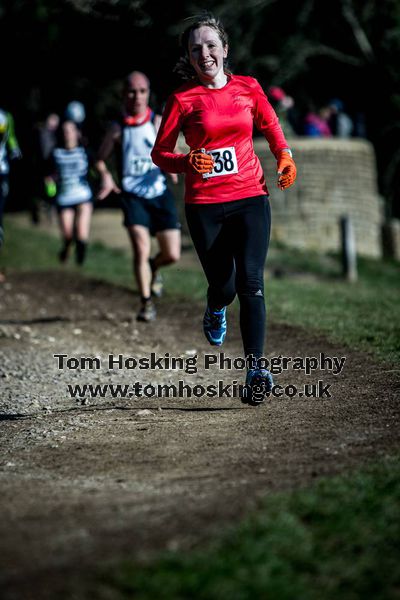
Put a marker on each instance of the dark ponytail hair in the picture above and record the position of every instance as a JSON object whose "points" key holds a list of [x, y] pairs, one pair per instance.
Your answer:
{"points": [[183, 66]]}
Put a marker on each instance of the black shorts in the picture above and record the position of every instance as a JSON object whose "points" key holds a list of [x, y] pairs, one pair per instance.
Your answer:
{"points": [[157, 214], [61, 207]]}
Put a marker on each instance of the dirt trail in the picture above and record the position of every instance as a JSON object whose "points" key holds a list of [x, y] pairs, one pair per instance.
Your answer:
{"points": [[89, 481]]}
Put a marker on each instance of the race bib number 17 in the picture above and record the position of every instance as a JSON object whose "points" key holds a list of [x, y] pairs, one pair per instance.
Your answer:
{"points": [[139, 165], [225, 162]]}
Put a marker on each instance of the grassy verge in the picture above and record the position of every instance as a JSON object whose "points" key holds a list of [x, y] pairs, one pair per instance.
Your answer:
{"points": [[365, 315], [337, 540], [32, 250]]}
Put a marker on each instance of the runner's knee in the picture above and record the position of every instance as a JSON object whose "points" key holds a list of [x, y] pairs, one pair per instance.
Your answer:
{"points": [[219, 297], [251, 284], [254, 291], [170, 256]]}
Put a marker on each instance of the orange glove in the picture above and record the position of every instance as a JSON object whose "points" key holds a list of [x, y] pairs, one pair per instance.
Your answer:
{"points": [[199, 161], [286, 170]]}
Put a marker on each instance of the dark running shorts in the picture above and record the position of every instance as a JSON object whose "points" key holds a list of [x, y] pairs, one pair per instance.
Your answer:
{"points": [[61, 207], [157, 214]]}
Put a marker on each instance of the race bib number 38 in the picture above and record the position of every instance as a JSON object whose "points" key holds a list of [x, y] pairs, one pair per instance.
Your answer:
{"points": [[225, 162]]}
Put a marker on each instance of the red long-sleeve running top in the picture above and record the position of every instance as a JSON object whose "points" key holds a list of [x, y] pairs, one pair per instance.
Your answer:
{"points": [[217, 119]]}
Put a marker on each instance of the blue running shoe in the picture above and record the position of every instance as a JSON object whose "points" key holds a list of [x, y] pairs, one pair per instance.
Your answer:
{"points": [[214, 325], [258, 383]]}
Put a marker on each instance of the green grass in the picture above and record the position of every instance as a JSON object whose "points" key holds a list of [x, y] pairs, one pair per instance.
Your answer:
{"points": [[32, 249], [365, 315], [337, 540]]}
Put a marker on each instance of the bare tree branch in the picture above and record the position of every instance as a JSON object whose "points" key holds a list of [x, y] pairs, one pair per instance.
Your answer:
{"points": [[111, 10], [358, 32], [305, 12]]}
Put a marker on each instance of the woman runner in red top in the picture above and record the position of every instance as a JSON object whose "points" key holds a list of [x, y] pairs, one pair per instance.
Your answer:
{"points": [[226, 197]]}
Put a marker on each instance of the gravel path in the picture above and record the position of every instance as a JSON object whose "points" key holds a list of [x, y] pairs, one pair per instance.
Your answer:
{"points": [[87, 481]]}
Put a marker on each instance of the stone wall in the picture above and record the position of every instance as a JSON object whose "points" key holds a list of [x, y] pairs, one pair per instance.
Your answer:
{"points": [[335, 178]]}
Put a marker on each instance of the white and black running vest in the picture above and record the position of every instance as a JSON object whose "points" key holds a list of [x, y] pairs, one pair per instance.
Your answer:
{"points": [[72, 168], [140, 176]]}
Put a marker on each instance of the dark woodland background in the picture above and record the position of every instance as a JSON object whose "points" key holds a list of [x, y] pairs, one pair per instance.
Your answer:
{"points": [[54, 52]]}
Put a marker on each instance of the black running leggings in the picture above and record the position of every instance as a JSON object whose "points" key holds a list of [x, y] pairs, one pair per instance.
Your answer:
{"points": [[231, 240]]}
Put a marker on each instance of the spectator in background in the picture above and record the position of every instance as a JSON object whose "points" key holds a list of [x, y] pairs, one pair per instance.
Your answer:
{"points": [[47, 135], [316, 124], [75, 112], [9, 150], [45, 140], [340, 123], [284, 108]]}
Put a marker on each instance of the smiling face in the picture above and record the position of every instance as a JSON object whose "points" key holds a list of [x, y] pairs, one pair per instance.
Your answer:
{"points": [[207, 54]]}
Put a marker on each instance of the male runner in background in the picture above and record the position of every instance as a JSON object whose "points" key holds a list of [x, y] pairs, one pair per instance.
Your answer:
{"points": [[148, 205]]}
